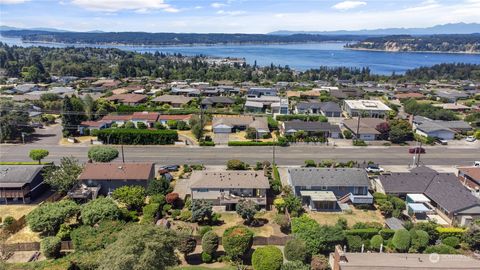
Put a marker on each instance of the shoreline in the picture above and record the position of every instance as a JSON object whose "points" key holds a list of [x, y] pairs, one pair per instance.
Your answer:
{"points": [[437, 52]]}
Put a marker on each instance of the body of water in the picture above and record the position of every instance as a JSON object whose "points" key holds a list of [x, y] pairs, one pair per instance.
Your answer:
{"points": [[298, 56]]}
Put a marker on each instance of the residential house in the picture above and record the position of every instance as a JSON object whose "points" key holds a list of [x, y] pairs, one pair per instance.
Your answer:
{"points": [[409, 95], [451, 95], [128, 99], [173, 100], [148, 118], [328, 130], [365, 129], [234, 123], [254, 107], [444, 130], [103, 178], [342, 260], [470, 178], [330, 109], [21, 183], [92, 125], [449, 198], [261, 91], [215, 102], [253, 103], [227, 188], [119, 120], [25, 88], [370, 108], [325, 188], [164, 118], [188, 92], [347, 93], [280, 107], [453, 107]]}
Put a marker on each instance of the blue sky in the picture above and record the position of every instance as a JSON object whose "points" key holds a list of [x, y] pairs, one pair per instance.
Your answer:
{"points": [[234, 16]]}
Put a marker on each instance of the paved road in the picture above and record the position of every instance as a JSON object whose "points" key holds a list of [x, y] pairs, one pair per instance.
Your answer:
{"points": [[294, 155]]}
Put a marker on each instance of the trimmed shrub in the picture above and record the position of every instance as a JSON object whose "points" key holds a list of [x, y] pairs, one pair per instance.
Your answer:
{"points": [[102, 153], [98, 210], [210, 243], [8, 223], [376, 242], [447, 232], [267, 258], [186, 243], [354, 242], [296, 250], [377, 196], [310, 163], [64, 232], [203, 230], [137, 136], [87, 238], [50, 247], [282, 221], [440, 249], [47, 217], [255, 143], [451, 241], [235, 164], [401, 240], [303, 117], [171, 198], [419, 240], [237, 241], [206, 258], [132, 196], [367, 233]]}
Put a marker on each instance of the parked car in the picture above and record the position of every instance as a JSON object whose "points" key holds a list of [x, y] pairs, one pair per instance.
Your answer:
{"points": [[476, 164], [417, 150], [442, 142], [37, 125], [374, 169], [470, 139], [171, 168]]}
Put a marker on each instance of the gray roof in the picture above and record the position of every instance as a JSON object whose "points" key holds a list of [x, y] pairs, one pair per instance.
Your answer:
{"points": [[308, 105], [328, 177], [442, 188], [229, 179], [428, 125], [394, 223], [218, 100], [330, 107], [18, 175], [298, 125]]}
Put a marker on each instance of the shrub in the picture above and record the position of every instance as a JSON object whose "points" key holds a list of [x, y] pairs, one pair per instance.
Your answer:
{"points": [[310, 163], [342, 223], [347, 134], [302, 117], [186, 243], [8, 223], [319, 262], [419, 239], [102, 153], [267, 258], [397, 202], [296, 250], [376, 242], [98, 210], [158, 186], [206, 258], [206, 143], [172, 198], [386, 207], [295, 265], [401, 240], [354, 242], [137, 136], [203, 230], [210, 243], [440, 249], [255, 143], [50, 247], [201, 210], [446, 232], [279, 204], [377, 196], [132, 196], [64, 232], [367, 225], [87, 238], [47, 217], [141, 125], [237, 241], [150, 213], [235, 164], [359, 143], [158, 198], [186, 215], [282, 221], [451, 241], [247, 210]]}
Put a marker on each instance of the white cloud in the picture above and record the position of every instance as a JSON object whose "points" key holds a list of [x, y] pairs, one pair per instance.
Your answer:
{"points": [[217, 5], [139, 6], [231, 13], [346, 5], [8, 2]]}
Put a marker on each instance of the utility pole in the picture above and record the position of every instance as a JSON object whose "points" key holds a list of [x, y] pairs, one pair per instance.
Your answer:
{"points": [[419, 152], [358, 127], [273, 153]]}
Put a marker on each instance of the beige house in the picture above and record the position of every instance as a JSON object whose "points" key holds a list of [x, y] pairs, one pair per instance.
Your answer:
{"points": [[227, 188]]}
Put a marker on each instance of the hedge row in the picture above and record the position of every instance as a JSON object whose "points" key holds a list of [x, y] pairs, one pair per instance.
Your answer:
{"points": [[206, 143], [251, 143], [137, 136], [302, 117], [449, 232]]}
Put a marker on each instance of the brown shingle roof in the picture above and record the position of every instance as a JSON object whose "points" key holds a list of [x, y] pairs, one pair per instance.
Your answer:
{"points": [[184, 117], [149, 116], [367, 125], [128, 98], [116, 171], [473, 172]]}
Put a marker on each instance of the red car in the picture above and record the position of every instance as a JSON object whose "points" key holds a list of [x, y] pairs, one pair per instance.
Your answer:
{"points": [[416, 150]]}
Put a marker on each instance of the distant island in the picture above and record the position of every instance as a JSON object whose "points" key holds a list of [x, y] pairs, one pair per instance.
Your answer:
{"points": [[433, 43], [148, 39]]}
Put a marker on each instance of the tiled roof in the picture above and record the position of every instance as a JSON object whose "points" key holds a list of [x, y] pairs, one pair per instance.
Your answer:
{"points": [[116, 171]]}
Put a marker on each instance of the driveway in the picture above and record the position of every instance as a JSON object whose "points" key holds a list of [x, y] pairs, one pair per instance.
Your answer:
{"points": [[220, 138], [49, 135]]}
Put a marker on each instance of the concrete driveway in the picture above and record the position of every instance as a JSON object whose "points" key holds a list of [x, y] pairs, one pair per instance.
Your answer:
{"points": [[221, 138]]}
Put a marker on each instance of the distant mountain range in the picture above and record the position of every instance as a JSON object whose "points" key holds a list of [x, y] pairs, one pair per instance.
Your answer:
{"points": [[451, 28], [45, 29]]}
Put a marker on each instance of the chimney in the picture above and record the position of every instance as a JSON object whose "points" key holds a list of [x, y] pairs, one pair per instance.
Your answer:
{"points": [[338, 258]]}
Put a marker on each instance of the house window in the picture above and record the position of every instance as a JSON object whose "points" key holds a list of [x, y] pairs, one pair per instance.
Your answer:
{"points": [[358, 191], [222, 190], [202, 190], [323, 187]]}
